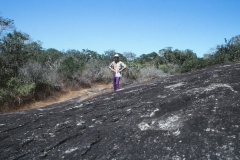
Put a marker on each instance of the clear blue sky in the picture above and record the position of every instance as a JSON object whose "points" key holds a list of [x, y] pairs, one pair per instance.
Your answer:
{"points": [[138, 26]]}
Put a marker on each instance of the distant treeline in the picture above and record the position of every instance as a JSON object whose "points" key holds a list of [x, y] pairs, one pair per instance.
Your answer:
{"points": [[28, 72]]}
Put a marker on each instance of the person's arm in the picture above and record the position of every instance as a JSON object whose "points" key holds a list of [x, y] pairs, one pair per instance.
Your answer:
{"points": [[124, 67], [111, 67]]}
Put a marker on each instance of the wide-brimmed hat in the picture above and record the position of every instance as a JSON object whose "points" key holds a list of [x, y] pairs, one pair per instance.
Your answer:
{"points": [[116, 55]]}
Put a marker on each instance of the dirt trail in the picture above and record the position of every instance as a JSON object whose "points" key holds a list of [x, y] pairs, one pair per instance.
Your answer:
{"points": [[84, 93]]}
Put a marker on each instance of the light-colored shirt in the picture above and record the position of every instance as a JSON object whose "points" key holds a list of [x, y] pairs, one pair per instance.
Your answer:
{"points": [[117, 66]]}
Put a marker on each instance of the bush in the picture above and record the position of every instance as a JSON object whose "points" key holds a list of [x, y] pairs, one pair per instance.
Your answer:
{"points": [[170, 68], [151, 72], [15, 92], [39, 74], [131, 73], [20, 88], [46, 78], [95, 71], [189, 65]]}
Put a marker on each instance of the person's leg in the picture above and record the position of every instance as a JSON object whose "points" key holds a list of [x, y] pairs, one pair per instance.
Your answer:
{"points": [[114, 82], [117, 83]]}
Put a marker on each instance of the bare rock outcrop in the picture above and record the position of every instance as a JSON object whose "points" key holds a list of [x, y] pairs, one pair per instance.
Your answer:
{"points": [[189, 116]]}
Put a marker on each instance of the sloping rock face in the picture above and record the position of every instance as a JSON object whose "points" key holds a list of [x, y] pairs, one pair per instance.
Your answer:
{"points": [[188, 116]]}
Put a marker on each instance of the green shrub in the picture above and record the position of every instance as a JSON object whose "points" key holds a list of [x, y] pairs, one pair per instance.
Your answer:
{"points": [[169, 68], [16, 89], [19, 87]]}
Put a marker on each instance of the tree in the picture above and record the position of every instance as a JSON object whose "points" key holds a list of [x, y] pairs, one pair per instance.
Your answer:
{"points": [[167, 54], [151, 59], [5, 24], [190, 61], [13, 51], [230, 51], [129, 55], [90, 55], [233, 47], [72, 62], [108, 56]]}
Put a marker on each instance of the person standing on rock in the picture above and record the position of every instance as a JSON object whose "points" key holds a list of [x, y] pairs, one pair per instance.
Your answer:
{"points": [[116, 67]]}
